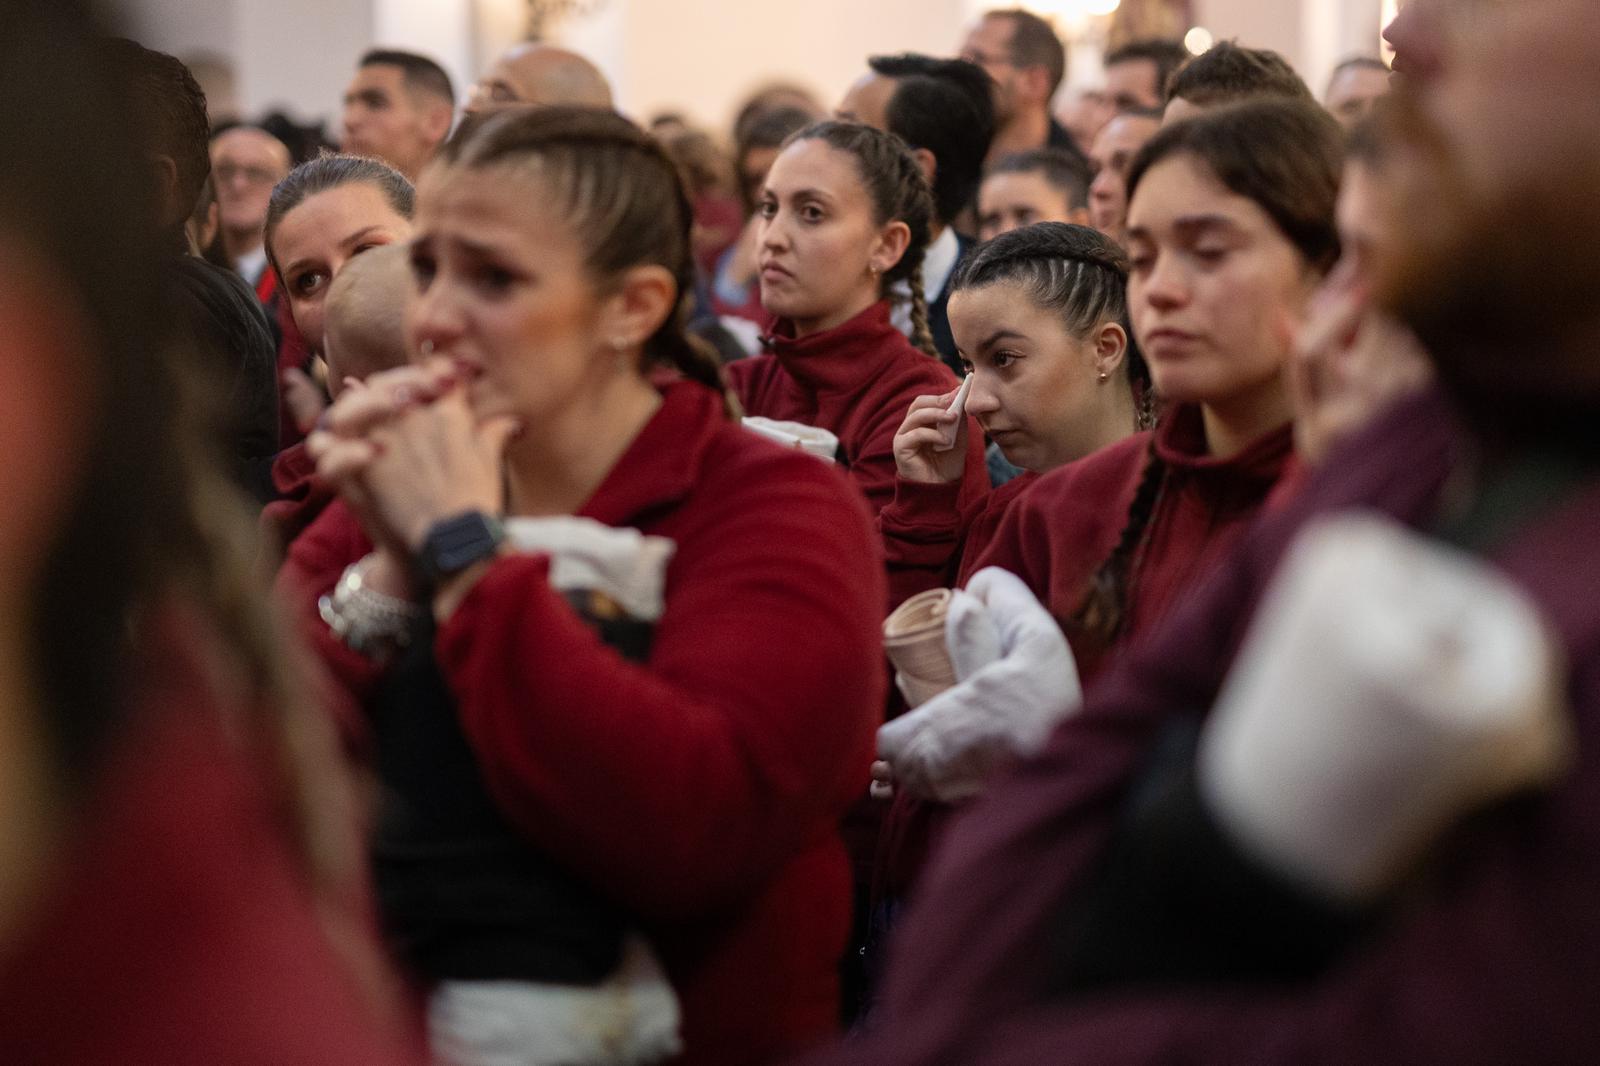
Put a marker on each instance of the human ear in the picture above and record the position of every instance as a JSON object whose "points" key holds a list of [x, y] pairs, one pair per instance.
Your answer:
{"points": [[643, 299], [169, 211], [893, 240], [930, 165], [437, 122], [1110, 349]]}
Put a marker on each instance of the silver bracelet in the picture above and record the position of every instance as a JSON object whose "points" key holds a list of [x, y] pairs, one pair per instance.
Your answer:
{"points": [[367, 621]]}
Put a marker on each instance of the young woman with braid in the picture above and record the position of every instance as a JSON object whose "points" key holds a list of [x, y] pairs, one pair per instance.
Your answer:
{"points": [[619, 655], [1041, 317], [845, 214], [1231, 226]]}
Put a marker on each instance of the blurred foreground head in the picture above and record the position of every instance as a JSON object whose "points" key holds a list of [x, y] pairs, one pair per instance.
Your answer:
{"points": [[1495, 224], [81, 380]]}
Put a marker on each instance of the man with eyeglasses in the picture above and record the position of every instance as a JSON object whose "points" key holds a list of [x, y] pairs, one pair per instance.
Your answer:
{"points": [[246, 162], [1024, 58]]}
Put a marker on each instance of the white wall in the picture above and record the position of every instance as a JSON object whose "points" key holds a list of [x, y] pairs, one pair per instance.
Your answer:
{"points": [[700, 56]]}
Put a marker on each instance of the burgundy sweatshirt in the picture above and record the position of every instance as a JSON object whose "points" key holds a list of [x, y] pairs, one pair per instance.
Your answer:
{"points": [[702, 790], [1058, 533], [1490, 961], [856, 381], [931, 540]]}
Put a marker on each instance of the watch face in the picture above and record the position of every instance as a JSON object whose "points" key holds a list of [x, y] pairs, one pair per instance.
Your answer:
{"points": [[456, 543]]}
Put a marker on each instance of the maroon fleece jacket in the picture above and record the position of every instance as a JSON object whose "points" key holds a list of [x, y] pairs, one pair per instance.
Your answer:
{"points": [[701, 790], [856, 381], [1058, 533]]}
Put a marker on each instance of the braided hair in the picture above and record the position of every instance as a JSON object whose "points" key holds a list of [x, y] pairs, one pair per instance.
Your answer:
{"points": [[1285, 156], [1075, 271], [620, 191], [899, 193]]}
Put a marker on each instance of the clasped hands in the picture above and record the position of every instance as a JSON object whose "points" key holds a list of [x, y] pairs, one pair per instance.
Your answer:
{"points": [[406, 450]]}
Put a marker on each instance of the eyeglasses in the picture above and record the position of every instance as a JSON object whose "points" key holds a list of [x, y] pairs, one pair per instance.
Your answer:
{"points": [[229, 172]]}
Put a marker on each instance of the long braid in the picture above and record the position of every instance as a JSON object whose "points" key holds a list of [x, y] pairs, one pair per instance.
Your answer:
{"points": [[921, 334], [1103, 612]]}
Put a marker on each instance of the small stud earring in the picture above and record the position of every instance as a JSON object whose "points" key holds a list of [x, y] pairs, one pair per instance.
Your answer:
{"points": [[1104, 376]]}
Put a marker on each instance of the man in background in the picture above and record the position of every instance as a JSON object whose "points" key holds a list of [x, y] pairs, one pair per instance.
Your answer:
{"points": [[1354, 89], [398, 108], [1023, 57], [942, 108], [246, 162], [1137, 73], [1044, 185], [542, 74], [1109, 160]]}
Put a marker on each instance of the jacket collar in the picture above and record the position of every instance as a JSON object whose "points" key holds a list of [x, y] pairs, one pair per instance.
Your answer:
{"points": [[663, 463], [1180, 442], [838, 359]]}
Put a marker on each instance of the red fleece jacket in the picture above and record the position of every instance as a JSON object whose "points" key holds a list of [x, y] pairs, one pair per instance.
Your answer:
{"points": [[703, 789], [856, 381], [302, 496], [1058, 534], [931, 541]]}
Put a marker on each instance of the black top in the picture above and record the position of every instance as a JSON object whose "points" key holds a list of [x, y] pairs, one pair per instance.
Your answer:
{"points": [[939, 312], [222, 322], [463, 894]]}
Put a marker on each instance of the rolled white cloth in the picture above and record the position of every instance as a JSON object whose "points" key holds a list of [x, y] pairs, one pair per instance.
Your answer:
{"points": [[811, 439], [1388, 686], [629, 1020], [1015, 679]]}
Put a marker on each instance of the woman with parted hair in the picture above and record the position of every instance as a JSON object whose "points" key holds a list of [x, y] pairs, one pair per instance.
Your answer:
{"points": [[1231, 227], [845, 212], [322, 214], [618, 654], [1041, 316]]}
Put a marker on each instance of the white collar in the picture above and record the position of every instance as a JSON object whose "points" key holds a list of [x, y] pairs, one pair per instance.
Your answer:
{"points": [[938, 263], [251, 265]]}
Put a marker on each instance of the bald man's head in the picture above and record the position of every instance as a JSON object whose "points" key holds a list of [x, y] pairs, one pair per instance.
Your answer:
{"points": [[364, 317], [541, 74], [246, 162]]}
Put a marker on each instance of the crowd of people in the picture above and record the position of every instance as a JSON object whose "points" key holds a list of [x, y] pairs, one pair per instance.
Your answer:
{"points": [[922, 578]]}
